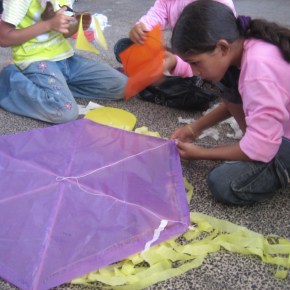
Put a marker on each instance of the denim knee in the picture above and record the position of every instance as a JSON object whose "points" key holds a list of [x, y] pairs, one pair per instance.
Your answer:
{"points": [[219, 188], [120, 46], [119, 88], [65, 116], [113, 88], [246, 182], [57, 114]]}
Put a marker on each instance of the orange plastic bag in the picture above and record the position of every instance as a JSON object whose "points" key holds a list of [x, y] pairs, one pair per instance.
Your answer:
{"points": [[143, 64]]}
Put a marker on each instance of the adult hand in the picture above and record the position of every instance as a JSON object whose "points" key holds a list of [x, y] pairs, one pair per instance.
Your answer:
{"points": [[138, 33]]}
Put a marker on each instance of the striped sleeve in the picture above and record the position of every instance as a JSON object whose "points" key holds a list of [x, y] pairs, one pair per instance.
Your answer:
{"points": [[14, 10]]}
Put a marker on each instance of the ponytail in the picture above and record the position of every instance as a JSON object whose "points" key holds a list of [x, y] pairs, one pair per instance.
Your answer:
{"points": [[273, 33], [204, 22]]}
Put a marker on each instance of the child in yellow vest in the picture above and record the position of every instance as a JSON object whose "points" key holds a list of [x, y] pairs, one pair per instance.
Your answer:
{"points": [[47, 74]]}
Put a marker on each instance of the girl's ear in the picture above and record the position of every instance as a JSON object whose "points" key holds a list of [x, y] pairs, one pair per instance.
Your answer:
{"points": [[223, 46]]}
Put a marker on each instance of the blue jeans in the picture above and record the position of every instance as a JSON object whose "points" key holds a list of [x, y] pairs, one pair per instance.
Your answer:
{"points": [[120, 46], [45, 90], [247, 182]]}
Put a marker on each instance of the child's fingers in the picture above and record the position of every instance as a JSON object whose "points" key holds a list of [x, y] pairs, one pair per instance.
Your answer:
{"points": [[61, 10], [185, 149], [138, 35], [182, 135], [141, 32], [135, 37], [180, 145]]}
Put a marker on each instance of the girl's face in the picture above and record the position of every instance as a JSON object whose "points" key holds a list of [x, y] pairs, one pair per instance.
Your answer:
{"points": [[210, 66]]}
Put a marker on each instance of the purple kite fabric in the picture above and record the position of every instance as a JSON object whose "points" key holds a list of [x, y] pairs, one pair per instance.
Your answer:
{"points": [[79, 196]]}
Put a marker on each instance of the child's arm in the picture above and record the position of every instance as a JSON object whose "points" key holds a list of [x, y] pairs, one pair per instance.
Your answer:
{"points": [[190, 132], [73, 28], [48, 13], [9, 36], [181, 68], [157, 14], [225, 152]]}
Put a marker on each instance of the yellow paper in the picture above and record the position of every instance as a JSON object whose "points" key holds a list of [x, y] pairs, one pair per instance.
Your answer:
{"points": [[113, 117], [81, 42], [99, 34], [144, 130]]}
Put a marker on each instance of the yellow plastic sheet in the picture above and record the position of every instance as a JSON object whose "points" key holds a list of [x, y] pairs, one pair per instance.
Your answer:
{"points": [[113, 117], [83, 44], [173, 257], [144, 130]]}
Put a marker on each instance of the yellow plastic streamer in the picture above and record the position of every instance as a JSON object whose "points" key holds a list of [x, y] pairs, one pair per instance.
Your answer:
{"points": [[177, 256]]}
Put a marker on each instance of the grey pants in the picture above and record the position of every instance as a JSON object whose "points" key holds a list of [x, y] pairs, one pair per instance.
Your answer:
{"points": [[247, 182]]}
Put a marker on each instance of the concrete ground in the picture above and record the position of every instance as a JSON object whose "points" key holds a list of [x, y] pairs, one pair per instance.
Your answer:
{"points": [[222, 270]]}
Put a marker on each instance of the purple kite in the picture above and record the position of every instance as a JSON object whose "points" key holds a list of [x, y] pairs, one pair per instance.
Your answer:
{"points": [[79, 196]]}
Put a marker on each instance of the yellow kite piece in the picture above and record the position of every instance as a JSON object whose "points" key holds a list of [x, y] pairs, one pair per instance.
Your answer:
{"points": [[99, 34], [83, 44], [113, 117]]}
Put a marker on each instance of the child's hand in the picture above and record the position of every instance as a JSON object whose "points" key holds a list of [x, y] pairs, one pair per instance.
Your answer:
{"points": [[138, 33], [186, 133], [169, 61], [86, 20], [60, 22], [187, 150]]}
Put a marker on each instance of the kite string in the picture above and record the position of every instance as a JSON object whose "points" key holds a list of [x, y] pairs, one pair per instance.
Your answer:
{"points": [[163, 222], [62, 178], [76, 178], [122, 201]]}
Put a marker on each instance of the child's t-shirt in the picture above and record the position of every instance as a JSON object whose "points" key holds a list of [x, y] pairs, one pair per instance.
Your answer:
{"points": [[264, 85], [166, 13], [48, 46]]}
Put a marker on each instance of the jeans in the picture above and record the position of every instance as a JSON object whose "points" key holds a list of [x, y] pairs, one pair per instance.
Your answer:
{"points": [[45, 90], [247, 182], [120, 46]]}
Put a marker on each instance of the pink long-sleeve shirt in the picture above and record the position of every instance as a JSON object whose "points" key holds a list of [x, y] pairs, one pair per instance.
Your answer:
{"points": [[166, 13], [264, 86]]}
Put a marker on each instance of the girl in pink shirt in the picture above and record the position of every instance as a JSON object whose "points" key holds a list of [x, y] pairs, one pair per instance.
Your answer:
{"points": [[165, 13], [252, 59]]}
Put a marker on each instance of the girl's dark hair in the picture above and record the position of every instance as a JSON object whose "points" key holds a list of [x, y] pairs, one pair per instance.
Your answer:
{"points": [[204, 22]]}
